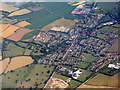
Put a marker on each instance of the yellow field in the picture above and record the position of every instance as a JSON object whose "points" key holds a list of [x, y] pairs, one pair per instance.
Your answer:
{"points": [[82, 2], [18, 62], [92, 86], [3, 27], [60, 22], [4, 64], [8, 7], [102, 81], [23, 24], [9, 31], [19, 12]]}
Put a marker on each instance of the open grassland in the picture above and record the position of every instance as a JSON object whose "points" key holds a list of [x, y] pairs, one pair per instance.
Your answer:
{"points": [[23, 24], [88, 57], [3, 64], [11, 79], [8, 7], [38, 77], [13, 51], [19, 12], [50, 12], [17, 36], [101, 36], [74, 84], [8, 21], [3, 27], [84, 76], [18, 62], [104, 80], [114, 47], [108, 29], [9, 31], [60, 22]]}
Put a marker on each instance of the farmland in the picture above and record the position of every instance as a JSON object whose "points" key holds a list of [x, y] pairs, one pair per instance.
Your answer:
{"points": [[101, 36], [60, 22], [44, 71], [8, 7], [19, 12], [23, 24], [104, 80], [8, 21], [19, 34], [82, 65], [48, 14], [3, 27], [18, 62]]}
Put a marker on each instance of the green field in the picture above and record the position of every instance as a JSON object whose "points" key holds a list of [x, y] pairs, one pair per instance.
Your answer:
{"points": [[14, 51], [82, 65], [74, 84], [101, 36], [51, 12], [11, 79], [84, 76], [8, 21], [30, 35], [38, 76], [88, 57], [108, 28], [60, 76]]}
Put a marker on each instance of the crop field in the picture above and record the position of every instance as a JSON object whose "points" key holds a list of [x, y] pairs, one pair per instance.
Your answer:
{"points": [[8, 7], [108, 29], [8, 21], [35, 9], [11, 79], [3, 64], [3, 27], [89, 57], [60, 22], [48, 14], [60, 76], [84, 76], [18, 62], [38, 77], [101, 36], [9, 31], [19, 34], [16, 50], [19, 12], [114, 47], [104, 80], [74, 84], [23, 24]]}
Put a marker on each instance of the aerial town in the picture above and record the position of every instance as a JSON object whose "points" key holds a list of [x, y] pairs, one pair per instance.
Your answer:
{"points": [[59, 45]]}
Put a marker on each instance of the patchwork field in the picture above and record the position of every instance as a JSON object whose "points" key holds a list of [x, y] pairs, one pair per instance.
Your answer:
{"points": [[11, 79], [23, 24], [8, 7], [35, 9], [19, 12], [38, 77], [60, 22], [9, 31], [8, 21], [104, 80], [16, 50], [19, 34], [3, 27], [3, 64], [101, 36], [18, 62]]}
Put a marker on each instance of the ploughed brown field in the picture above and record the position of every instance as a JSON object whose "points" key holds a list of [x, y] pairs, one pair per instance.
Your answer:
{"points": [[19, 34]]}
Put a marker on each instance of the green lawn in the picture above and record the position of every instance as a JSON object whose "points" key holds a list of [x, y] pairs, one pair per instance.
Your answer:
{"points": [[108, 28], [101, 36], [84, 75], [14, 51], [82, 65], [88, 57]]}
